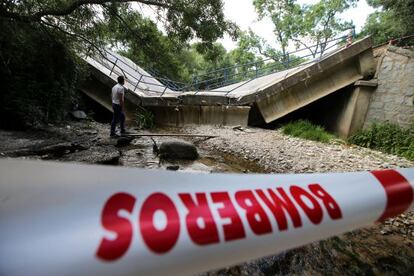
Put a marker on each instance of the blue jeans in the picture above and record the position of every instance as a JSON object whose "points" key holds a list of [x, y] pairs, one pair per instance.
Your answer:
{"points": [[118, 117]]}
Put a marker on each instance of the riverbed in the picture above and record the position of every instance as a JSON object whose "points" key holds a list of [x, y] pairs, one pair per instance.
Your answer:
{"points": [[386, 248]]}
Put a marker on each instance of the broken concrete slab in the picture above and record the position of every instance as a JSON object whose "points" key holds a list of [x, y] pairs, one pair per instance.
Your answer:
{"points": [[274, 95]]}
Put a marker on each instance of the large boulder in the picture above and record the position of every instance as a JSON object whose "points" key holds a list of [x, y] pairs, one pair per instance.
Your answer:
{"points": [[178, 150], [79, 115]]}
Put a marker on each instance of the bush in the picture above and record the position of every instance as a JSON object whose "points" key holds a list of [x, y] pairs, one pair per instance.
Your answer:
{"points": [[387, 137], [144, 118], [306, 130], [40, 75]]}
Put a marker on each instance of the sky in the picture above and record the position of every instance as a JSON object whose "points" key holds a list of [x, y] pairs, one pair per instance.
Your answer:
{"points": [[242, 12]]}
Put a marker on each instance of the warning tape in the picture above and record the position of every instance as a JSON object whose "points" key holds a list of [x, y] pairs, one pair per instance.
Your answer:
{"points": [[59, 218]]}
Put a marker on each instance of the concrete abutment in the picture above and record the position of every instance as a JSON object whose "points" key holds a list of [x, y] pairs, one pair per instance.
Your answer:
{"points": [[184, 115]]}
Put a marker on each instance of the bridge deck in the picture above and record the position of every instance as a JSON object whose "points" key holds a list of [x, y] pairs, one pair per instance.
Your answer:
{"points": [[275, 95]]}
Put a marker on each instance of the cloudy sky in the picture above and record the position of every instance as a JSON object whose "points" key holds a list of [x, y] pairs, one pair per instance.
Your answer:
{"points": [[243, 14]]}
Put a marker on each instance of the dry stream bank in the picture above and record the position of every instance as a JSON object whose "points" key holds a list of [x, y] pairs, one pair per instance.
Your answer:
{"points": [[386, 248]]}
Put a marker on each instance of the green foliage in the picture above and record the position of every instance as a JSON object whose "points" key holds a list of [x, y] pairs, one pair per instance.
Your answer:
{"points": [[250, 51], [395, 19], [39, 40], [143, 43], [144, 118], [382, 27], [306, 130], [206, 61], [165, 55], [40, 75], [387, 137], [285, 15], [183, 19], [321, 23], [306, 25]]}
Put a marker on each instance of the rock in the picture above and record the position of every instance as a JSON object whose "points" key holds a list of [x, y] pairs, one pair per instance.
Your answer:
{"points": [[57, 149], [124, 141], [107, 141], [177, 150], [44, 156], [95, 155], [90, 132], [173, 167], [78, 146], [78, 114]]}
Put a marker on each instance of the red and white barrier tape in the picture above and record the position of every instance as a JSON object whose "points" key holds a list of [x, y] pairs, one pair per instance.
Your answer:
{"points": [[58, 218]]}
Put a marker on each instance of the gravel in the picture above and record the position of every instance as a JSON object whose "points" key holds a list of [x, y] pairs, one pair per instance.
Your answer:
{"points": [[279, 153], [379, 248], [275, 152]]}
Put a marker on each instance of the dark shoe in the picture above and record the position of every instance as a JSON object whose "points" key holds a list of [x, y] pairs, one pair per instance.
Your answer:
{"points": [[114, 135], [124, 132]]}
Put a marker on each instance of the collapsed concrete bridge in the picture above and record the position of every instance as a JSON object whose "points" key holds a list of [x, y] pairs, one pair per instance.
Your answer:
{"points": [[337, 81]]}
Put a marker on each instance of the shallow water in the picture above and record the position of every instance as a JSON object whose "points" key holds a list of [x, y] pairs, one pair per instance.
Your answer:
{"points": [[363, 252], [140, 154]]}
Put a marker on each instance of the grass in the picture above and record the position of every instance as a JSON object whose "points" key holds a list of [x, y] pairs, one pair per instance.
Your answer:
{"points": [[306, 130], [144, 118], [387, 137]]}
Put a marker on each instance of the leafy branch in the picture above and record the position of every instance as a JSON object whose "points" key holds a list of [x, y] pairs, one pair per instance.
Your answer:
{"points": [[71, 7]]}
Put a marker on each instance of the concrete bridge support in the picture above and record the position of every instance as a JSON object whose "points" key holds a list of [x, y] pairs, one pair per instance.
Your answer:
{"points": [[317, 81], [355, 110], [184, 115]]}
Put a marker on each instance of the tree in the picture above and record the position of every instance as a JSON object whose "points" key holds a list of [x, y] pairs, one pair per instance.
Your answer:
{"points": [[320, 24], [381, 25], [286, 16], [139, 39], [205, 65], [40, 75], [64, 28], [308, 26], [395, 19], [256, 48], [185, 19]]}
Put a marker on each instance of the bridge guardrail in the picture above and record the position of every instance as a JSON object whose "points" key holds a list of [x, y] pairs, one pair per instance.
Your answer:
{"points": [[223, 77]]}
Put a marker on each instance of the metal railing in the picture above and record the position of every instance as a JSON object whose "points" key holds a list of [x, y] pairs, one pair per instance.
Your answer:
{"points": [[223, 77], [227, 76], [118, 66]]}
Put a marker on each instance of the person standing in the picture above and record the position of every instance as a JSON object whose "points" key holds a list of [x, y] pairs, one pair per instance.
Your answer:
{"points": [[118, 106]]}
